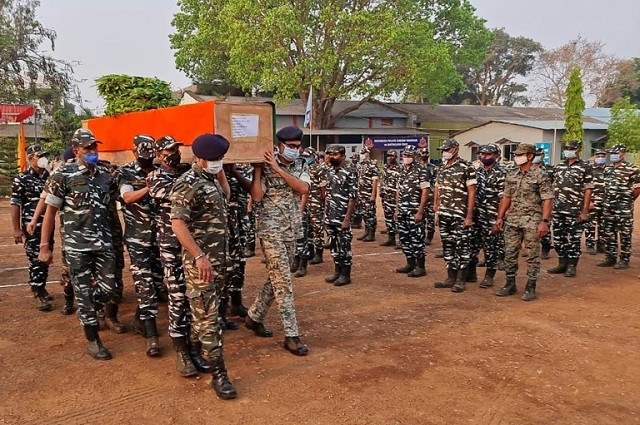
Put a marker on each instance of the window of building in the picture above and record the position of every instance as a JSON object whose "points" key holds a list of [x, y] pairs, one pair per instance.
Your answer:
{"points": [[386, 121], [507, 150]]}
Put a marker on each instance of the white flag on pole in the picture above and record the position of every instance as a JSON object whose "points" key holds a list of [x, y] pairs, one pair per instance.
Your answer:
{"points": [[307, 112]]}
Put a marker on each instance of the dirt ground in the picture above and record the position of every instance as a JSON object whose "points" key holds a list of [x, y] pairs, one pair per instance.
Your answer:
{"points": [[387, 349]]}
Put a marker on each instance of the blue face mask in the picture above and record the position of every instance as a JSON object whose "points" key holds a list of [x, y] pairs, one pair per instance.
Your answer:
{"points": [[309, 161], [569, 154], [91, 158], [600, 161], [290, 154], [537, 159], [614, 157]]}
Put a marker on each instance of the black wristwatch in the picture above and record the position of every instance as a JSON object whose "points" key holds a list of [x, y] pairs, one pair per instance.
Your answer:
{"points": [[546, 220]]}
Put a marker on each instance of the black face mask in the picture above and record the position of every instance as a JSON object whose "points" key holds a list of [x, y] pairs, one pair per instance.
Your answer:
{"points": [[392, 161], [173, 160], [425, 158], [334, 161], [145, 162]]}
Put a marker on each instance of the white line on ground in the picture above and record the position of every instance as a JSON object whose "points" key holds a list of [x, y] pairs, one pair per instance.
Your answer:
{"points": [[373, 254], [8, 269], [26, 284]]}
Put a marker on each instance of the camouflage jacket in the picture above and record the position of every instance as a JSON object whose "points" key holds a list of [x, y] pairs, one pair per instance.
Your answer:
{"points": [[342, 186], [389, 184], [452, 183], [237, 200], [527, 191], [198, 199], [367, 173], [82, 198], [411, 182], [619, 183], [489, 192], [139, 221], [318, 175], [570, 181], [161, 182], [25, 193], [431, 169], [597, 197], [278, 214]]}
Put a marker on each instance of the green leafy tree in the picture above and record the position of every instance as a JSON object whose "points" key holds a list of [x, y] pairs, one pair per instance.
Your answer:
{"points": [[343, 49], [24, 65], [125, 93], [625, 125], [574, 107], [64, 121]]}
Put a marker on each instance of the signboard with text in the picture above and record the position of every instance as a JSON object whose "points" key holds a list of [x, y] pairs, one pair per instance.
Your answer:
{"points": [[396, 142]]}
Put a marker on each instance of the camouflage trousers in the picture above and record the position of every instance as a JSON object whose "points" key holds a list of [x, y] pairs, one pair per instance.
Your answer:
{"points": [[514, 238], [455, 242], [369, 213], [594, 227], [302, 243], [38, 271], [117, 242], [249, 228], [157, 272], [65, 277], [143, 264], [411, 235], [204, 301], [237, 262], [389, 208], [340, 244], [279, 255], [618, 226], [567, 236], [175, 280], [357, 211], [491, 244], [316, 225], [93, 281], [430, 216]]}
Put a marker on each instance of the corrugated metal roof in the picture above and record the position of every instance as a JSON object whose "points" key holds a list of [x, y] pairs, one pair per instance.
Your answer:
{"points": [[557, 124], [367, 132]]}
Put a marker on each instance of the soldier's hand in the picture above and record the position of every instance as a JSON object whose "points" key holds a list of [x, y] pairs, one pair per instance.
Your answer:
{"points": [[270, 160], [543, 229], [45, 254], [345, 224], [31, 227], [498, 227], [468, 222], [592, 206], [17, 236], [205, 272], [229, 167], [418, 217], [584, 217], [395, 216]]}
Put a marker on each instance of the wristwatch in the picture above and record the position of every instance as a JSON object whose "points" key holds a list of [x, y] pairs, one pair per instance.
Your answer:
{"points": [[546, 220]]}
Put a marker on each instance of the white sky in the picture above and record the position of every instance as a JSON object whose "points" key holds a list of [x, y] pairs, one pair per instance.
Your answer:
{"points": [[131, 36]]}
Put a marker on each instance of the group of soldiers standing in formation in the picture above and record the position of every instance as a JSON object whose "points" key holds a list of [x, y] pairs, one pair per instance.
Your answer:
{"points": [[188, 228]]}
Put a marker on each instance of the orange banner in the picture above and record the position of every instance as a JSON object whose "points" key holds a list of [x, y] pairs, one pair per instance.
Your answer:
{"points": [[184, 123], [22, 148]]}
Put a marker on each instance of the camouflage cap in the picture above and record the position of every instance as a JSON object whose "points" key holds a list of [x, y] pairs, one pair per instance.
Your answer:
{"points": [[489, 148], [423, 151], [524, 148], [449, 144], [573, 144], [617, 148], [409, 150], [600, 152], [167, 142], [365, 149], [539, 151], [144, 146], [36, 150], [309, 152], [335, 149], [392, 153], [83, 138]]}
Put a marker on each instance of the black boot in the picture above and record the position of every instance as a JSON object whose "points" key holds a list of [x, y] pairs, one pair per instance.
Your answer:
{"points": [[411, 264], [472, 272], [607, 262], [220, 381], [184, 365], [67, 308], [345, 276], [364, 235], [237, 309], [250, 250], [429, 237], [95, 347], [317, 259], [111, 319], [571, 267], [452, 274], [419, 270], [226, 324], [529, 291], [195, 352], [561, 267], [295, 264], [151, 334], [371, 236], [544, 255], [40, 297], [356, 222], [137, 326], [257, 328], [488, 282], [391, 240], [302, 269], [47, 295], [336, 274], [295, 346], [461, 281], [509, 288]]}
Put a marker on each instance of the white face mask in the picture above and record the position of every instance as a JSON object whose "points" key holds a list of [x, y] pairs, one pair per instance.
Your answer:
{"points": [[214, 167], [615, 157], [447, 155], [569, 154], [362, 157], [290, 154], [407, 160], [42, 162], [520, 159]]}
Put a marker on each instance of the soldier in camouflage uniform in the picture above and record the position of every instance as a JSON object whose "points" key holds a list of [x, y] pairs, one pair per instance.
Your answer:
{"points": [[538, 162], [621, 189], [342, 192], [317, 193], [25, 194], [527, 205], [199, 221], [367, 193], [454, 204], [356, 218], [388, 191], [275, 189], [429, 214], [489, 190], [304, 250], [249, 219], [573, 182], [161, 182], [412, 194], [596, 210], [81, 191], [139, 233]]}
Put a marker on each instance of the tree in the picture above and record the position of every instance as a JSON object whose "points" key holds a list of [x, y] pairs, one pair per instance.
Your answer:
{"points": [[495, 81], [64, 121], [343, 49], [626, 83], [554, 67], [125, 93], [24, 67], [625, 125], [574, 108]]}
